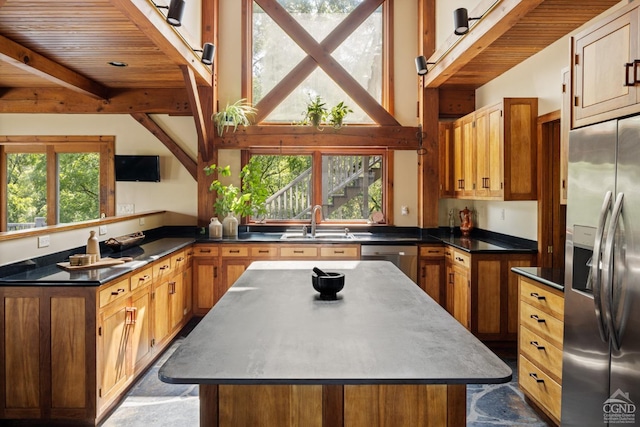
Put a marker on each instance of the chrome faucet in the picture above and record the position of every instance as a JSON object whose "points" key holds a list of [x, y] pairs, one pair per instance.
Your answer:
{"points": [[315, 209]]}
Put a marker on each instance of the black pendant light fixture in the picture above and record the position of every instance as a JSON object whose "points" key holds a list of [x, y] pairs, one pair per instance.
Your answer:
{"points": [[208, 50], [175, 11], [421, 65], [461, 21]]}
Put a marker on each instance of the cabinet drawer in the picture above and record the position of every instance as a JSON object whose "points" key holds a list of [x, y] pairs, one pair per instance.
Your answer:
{"points": [[541, 352], [431, 251], [114, 292], [264, 252], [448, 253], [541, 323], [178, 262], [142, 278], [235, 251], [205, 251], [540, 386], [342, 252], [299, 252], [162, 269], [543, 298], [462, 259]]}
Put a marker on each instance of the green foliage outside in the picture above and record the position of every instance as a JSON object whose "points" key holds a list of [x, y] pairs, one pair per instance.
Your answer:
{"points": [[26, 187]]}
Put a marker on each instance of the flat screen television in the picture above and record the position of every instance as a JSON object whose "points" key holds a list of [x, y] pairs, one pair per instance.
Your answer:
{"points": [[137, 168]]}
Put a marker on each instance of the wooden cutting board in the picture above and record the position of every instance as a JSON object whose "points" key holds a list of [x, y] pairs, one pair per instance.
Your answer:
{"points": [[104, 262]]}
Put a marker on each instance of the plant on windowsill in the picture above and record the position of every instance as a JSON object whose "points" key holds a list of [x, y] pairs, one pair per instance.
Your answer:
{"points": [[248, 199], [338, 113], [316, 113], [234, 115]]}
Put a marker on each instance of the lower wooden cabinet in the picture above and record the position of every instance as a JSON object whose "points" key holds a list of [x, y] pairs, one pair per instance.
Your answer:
{"points": [[540, 345], [431, 272], [205, 267]]}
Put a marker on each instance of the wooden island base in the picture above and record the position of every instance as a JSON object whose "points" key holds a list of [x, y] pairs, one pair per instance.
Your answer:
{"points": [[333, 405]]}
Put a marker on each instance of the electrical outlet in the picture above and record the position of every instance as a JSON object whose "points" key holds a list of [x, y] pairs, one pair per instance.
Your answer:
{"points": [[102, 230], [141, 221], [405, 210], [125, 209], [43, 241]]}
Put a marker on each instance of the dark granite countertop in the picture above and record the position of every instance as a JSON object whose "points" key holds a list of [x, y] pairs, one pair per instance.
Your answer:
{"points": [[55, 276], [553, 277], [271, 328]]}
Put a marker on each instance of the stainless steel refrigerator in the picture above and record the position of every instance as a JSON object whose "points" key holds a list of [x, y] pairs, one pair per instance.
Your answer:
{"points": [[601, 355]]}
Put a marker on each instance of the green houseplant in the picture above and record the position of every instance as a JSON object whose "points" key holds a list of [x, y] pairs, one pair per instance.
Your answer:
{"points": [[316, 112], [248, 199], [234, 115], [338, 113]]}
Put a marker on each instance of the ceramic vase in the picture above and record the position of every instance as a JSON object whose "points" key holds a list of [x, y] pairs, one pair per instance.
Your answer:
{"points": [[215, 229], [230, 227], [93, 247]]}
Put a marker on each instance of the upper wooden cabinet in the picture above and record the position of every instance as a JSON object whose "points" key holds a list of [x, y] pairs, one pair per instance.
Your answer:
{"points": [[606, 57], [565, 125], [494, 152]]}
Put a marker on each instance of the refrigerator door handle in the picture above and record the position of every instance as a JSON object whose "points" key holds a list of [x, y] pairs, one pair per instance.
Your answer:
{"points": [[596, 272], [607, 273]]}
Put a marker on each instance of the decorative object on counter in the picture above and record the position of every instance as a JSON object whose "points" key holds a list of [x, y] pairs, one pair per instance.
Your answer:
{"points": [[327, 283], [452, 221], [377, 217], [104, 262], [81, 259], [316, 113], [215, 228], [230, 227], [246, 200], [233, 115], [466, 223], [93, 247], [121, 243], [338, 113]]}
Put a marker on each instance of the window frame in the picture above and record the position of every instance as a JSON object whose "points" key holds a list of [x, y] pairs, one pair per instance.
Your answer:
{"points": [[316, 154], [51, 146]]}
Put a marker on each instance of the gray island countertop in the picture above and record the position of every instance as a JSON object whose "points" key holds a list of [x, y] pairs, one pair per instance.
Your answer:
{"points": [[271, 328]]}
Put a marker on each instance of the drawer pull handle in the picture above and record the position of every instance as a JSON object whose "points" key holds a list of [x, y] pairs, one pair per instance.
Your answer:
{"points": [[338, 252], [205, 251], [180, 259], [536, 345], [538, 296], [433, 251], [164, 267], [535, 377], [459, 259], [145, 277], [234, 251], [536, 318], [263, 251], [117, 292], [298, 252]]}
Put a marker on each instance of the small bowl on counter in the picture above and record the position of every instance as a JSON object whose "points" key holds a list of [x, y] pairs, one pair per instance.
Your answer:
{"points": [[328, 284]]}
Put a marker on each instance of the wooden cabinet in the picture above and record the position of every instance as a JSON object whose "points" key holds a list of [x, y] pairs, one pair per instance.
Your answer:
{"points": [[494, 151], [606, 57], [205, 277], [565, 126], [431, 272], [540, 345], [445, 152], [481, 294]]}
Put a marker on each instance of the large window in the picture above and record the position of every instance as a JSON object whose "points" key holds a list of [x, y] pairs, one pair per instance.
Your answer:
{"points": [[52, 180], [301, 49], [350, 187]]}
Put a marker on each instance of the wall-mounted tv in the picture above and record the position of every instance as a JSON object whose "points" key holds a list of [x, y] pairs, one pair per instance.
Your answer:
{"points": [[137, 168]]}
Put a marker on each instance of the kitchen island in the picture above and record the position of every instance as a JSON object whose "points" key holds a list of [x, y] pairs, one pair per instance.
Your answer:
{"points": [[384, 353]]}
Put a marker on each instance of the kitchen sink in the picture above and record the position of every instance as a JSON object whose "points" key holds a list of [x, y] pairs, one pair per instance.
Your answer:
{"points": [[323, 235]]}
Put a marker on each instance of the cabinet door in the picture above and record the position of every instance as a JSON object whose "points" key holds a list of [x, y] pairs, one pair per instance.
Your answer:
{"points": [[461, 295], [603, 83], [187, 283], [431, 279], [161, 315], [140, 331], [565, 125], [489, 293], [494, 172], [205, 279], [112, 348], [176, 301], [482, 153], [458, 159], [231, 270], [449, 293], [468, 156], [445, 152]]}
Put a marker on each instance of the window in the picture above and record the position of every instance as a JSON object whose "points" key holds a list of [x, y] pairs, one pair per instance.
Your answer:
{"points": [[350, 187], [51, 180], [289, 64]]}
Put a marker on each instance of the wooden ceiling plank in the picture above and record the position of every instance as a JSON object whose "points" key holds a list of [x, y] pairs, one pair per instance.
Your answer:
{"points": [[325, 61], [196, 108], [460, 50], [172, 101], [167, 38], [148, 122], [34, 63]]}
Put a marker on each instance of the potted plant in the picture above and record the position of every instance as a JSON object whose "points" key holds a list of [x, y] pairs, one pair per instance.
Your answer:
{"points": [[316, 112], [250, 198], [233, 115], [338, 113]]}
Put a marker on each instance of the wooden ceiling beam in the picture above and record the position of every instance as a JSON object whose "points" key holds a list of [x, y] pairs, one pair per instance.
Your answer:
{"points": [[173, 101], [34, 63], [458, 51], [186, 161], [196, 108], [168, 39], [325, 61]]}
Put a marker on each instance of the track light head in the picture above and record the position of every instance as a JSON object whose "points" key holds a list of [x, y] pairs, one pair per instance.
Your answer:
{"points": [[208, 50], [176, 10], [421, 65]]}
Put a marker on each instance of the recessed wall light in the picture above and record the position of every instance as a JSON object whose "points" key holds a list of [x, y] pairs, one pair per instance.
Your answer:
{"points": [[117, 63]]}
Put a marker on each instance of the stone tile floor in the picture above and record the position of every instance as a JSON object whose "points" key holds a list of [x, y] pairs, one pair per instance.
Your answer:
{"points": [[152, 403]]}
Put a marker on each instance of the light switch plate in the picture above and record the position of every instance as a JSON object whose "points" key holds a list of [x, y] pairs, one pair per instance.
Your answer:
{"points": [[102, 230], [43, 241]]}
